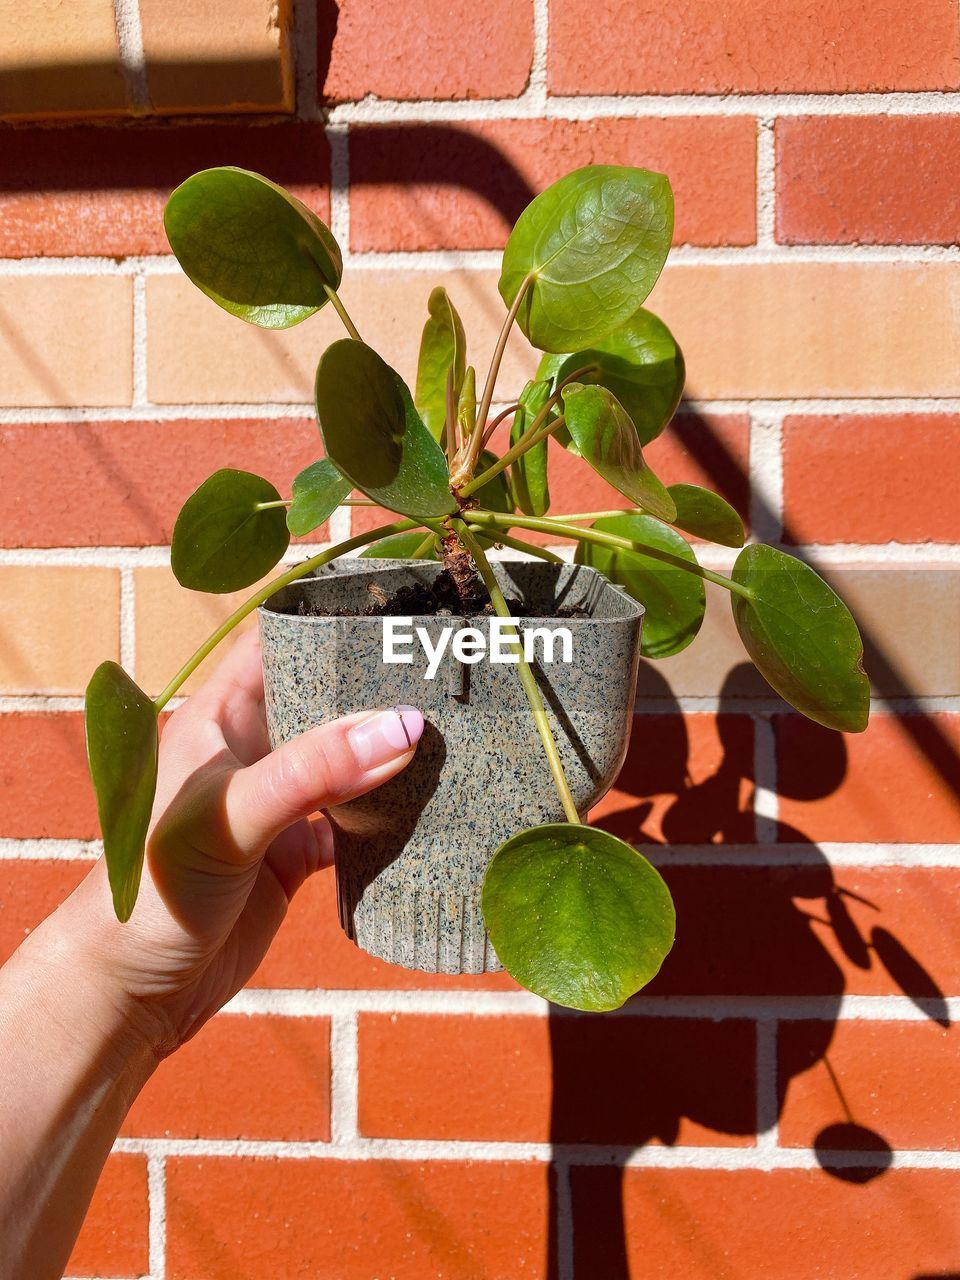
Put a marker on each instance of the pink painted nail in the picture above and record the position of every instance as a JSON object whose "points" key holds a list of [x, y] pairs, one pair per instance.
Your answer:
{"points": [[385, 736]]}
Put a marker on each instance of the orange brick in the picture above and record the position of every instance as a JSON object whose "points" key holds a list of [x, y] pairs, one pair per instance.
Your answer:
{"points": [[462, 186], [854, 179], [237, 1219], [431, 50], [242, 1077], [896, 781], [113, 1241], [529, 1079], [893, 459], [898, 1079], [712, 1224], [44, 787], [849, 47], [29, 892]]}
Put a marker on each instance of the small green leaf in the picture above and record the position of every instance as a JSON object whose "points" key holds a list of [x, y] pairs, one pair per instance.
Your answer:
{"points": [[467, 404], [674, 599], [398, 546], [577, 916], [640, 363], [606, 439], [317, 492], [802, 638], [121, 726], [374, 436], [495, 494], [593, 245], [252, 247], [442, 353], [222, 540], [529, 472], [706, 515]]}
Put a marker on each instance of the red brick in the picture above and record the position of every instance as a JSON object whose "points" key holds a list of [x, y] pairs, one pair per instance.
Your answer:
{"points": [[113, 1241], [44, 786], [855, 179], [96, 190], [900, 1080], [428, 50], [896, 780], [29, 891], [238, 1219], [242, 1077], [123, 483], [529, 1079], [788, 46], [462, 186], [892, 478], [712, 1224]]}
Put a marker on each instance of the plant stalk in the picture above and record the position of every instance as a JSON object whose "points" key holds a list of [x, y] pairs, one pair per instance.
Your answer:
{"points": [[473, 449], [519, 545], [342, 312], [523, 445]]}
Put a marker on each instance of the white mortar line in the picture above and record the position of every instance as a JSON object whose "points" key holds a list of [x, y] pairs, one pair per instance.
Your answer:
{"points": [[128, 621], [157, 1206], [47, 849], [140, 397], [338, 137], [133, 65], [766, 475], [766, 182], [535, 97], [766, 802], [340, 524], [344, 1078], [768, 1109]]}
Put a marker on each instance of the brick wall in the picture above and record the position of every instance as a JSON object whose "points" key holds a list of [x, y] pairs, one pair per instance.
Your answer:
{"points": [[783, 1102]]}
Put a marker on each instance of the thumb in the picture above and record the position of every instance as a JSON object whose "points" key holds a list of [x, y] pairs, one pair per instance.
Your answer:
{"points": [[320, 768]]}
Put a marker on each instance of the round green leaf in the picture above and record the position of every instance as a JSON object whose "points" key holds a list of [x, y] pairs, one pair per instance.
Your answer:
{"points": [[222, 540], [443, 349], [802, 638], [593, 245], [640, 363], [398, 546], [374, 436], [674, 599], [121, 727], [251, 247], [577, 916], [606, 439], [529, 472], [317, 492], [706, 515]]}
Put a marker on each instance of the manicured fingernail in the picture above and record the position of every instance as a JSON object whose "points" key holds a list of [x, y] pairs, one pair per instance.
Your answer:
{"points": [[385, 736]]}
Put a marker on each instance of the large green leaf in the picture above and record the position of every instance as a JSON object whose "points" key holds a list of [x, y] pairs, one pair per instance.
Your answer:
{"points": [[802, 638], [442, 355], [706, 515], [577, 916], [374, 436], [606, 439], [398, 546], [121, 726], [640, 363], [529, 472], [317, 492], [223, 540], [593, 245], [252, 247], [674, 599]]}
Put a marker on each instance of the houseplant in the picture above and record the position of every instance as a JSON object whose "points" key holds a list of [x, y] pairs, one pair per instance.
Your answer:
{"points": [[573, 913]]}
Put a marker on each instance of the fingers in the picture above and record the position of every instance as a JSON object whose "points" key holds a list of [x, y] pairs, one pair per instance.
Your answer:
{"points": [[322, 767]]}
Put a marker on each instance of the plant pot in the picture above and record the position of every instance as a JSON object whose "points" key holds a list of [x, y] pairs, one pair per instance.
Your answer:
{"points": [[411, 856]]}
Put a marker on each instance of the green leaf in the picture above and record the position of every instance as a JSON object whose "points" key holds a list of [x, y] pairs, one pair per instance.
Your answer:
{"points": [[606, 439], [251, 247], [674, 599], [374, 436], [529, 472], [121, 726], [495, 494], [442, 354], [577, 916], [317, 492], [467, 404], [706, 515], [222, 541], [593, 245], [802, 638], [398, 546], [640, 363]]}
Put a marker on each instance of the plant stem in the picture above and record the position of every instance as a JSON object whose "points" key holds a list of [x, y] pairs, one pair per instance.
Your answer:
{"points": [[341, 311], [268, 506], [284, 580], [519, 545], [543, 524], [423, 549], [527, 677], [523, 445], [495, 423], [473, 450], [357, 502]]}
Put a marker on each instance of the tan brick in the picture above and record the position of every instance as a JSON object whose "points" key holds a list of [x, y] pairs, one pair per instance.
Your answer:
{"points": [[56, 624], [199, 353], [59, 59], [66, 340]]}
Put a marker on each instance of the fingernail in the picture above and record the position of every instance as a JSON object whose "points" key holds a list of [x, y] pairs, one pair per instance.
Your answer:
{"points": [[385, 736]]}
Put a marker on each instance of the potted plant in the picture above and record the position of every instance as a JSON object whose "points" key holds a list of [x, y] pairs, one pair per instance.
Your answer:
{"points": [[477, 854]]}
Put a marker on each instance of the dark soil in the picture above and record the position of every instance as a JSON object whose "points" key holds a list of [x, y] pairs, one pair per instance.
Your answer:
{"points": [[441, 600]]}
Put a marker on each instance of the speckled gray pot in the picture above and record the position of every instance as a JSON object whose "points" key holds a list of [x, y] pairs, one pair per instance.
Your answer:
{"points": [[411, 856]]}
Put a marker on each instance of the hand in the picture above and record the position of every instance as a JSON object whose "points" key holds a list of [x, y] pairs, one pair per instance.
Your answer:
{"points": [[231, 841]]}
